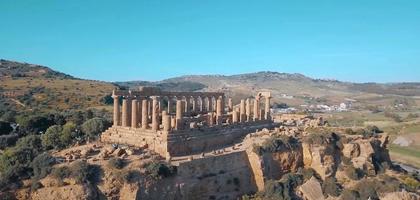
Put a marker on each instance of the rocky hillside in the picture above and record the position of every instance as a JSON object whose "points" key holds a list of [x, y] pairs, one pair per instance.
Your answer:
{"points": [[28, 87], [17, 69]]}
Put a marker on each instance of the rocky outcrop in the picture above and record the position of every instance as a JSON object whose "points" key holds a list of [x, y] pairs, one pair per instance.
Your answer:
{"points": [[311, 190], [322, 157], [401, 196], [76, 192]]}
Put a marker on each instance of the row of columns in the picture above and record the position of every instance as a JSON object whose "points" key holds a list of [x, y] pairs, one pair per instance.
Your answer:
{"points": [[244, 113], [134, 111]]}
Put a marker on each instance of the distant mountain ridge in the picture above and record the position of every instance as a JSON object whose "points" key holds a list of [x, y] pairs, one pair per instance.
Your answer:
{"points": [[294, 89]]}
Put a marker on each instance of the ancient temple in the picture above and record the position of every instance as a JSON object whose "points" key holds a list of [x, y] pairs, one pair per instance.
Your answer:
{"points": [[181, 123]]}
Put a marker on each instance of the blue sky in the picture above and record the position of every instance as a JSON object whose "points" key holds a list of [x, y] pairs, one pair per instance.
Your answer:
{"points": [[357, 40]]}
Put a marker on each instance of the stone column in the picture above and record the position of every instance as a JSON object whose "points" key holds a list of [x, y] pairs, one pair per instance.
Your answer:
{"points": [[128, 111], [144, 114], [194, 104], [223, 104], [116, 111], [169, 105], [124, 116], [201, 104], [139, 110], [261, 114], [208, 104], [187, 105], [134, 110], [267, 108], [149, 107], [219, 107], [213, 108], [219, 110], [242, 115], [234, 116], [256, 109], [178, 115], [210, 119], [173, 122], [248, 109], [166, 121], [155, 113], [230, 105]]}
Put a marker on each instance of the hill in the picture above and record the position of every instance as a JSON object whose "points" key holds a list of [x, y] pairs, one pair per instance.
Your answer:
{"points": [[297, 89], [28, 87]]}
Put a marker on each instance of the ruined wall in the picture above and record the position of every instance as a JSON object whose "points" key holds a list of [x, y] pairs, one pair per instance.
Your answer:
{"points": [[183, 142], [220, 177], [207, 139], [155, 141], [227, 176]]}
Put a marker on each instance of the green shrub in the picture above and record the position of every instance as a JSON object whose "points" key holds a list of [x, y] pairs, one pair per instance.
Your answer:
{"points": [[350, 195], [160, 170], [5, 128], [94, 127], [307, 173], [68, 134], [51, 138], [41, 165], [282, 189], [346, 160], [80, 171], [276, 144], [8, 140], [33, 142], [36, 185], [411, 184], [16, 162], [321, 138], [131, 176], [372, 187], [330, 187], [353, 173], [116, 163], [61, 173]]}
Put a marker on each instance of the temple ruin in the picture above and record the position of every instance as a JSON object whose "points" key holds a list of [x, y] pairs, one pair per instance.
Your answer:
{"points": [[183, 123]]}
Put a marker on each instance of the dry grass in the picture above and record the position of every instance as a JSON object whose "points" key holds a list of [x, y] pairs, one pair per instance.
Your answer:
{"points": [[60, 93]]}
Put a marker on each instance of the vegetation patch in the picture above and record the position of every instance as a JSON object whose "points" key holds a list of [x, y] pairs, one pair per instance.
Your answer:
{"points": [[276, 144], [160, 170]]}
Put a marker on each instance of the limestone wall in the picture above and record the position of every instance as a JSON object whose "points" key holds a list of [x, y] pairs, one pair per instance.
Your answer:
{"points": [[201, 140], [155, 141], [220, 177]]}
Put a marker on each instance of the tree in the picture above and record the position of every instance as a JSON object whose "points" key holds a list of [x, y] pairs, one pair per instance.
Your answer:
{"points": [[41, 165], [51, 138], [68, 133], [5, 128], [94, 126], [107, 99], [33, 142], [34, 123], [9, 116]]}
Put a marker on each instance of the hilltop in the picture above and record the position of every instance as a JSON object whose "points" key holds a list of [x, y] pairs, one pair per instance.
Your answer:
{"points": [[29, 87], [294, 89]]}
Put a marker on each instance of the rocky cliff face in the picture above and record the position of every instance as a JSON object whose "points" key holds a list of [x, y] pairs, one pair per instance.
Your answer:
{"points": [[315, 166]]}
